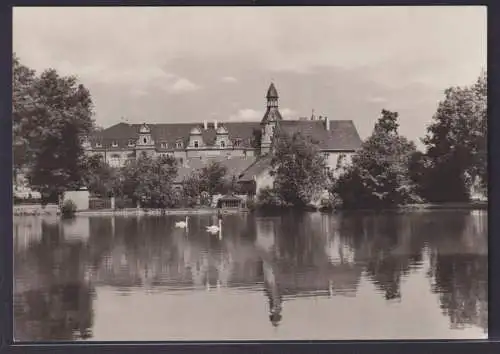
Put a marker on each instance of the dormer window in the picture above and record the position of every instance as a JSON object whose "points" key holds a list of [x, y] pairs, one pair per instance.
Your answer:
{"points": [[144, 129], [145, 140], [237, 142], [163, 145], [195, 131], [178, 144], [131, 142], [222, 144], [114, 143], [196, 143]]}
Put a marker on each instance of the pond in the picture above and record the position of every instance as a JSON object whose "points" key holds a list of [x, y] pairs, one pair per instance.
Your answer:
{"points": [[309, 276]]}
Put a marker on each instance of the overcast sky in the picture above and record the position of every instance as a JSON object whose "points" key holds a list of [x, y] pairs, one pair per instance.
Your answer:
{"points": [[194, 63]]}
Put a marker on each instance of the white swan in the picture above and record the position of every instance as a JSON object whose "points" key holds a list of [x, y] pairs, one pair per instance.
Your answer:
{"points": [[213, 229], [182, 224]]}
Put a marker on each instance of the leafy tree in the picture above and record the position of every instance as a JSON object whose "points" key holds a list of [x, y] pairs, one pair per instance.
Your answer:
{"points": [[419, 165], [150, 181], [300, 171], [379, 175], [456, 143], [23, 107], [269, 198], [212, 178], [50, 114], [99, 177], [192, 188]]}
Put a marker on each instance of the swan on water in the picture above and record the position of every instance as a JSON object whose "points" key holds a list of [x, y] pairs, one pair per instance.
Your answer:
{"points": [[213, 229], [182, 224]]}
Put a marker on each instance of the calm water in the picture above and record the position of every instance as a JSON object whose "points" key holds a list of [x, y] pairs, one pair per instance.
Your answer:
{"points": [[294, 276]]}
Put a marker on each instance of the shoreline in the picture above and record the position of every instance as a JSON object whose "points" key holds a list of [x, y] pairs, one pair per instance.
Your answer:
{"points": [[53, 210]]}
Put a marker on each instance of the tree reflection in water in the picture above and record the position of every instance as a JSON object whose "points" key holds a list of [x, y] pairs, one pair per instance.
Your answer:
{"points": [[285, 257], [52, 298]]}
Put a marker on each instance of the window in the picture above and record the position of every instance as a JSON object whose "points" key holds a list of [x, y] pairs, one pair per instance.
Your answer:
{"points": [[145, 140], [178, 144], [163, 145], [98, 145], [237, 142], [222, 144], [114, 161], [114, 143], [181, 160], [195, 143], [130, 142]]}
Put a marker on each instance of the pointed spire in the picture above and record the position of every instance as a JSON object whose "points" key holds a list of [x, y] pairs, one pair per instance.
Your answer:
{"points": [[272, 92]]}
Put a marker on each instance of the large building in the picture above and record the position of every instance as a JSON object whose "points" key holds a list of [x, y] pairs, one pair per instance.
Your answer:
{"points": [[241, 145]]}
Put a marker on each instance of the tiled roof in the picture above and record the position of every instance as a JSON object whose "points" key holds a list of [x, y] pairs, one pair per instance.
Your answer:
{"points": [[171, 133], [342, 135], [235, 166], [255, 169]]}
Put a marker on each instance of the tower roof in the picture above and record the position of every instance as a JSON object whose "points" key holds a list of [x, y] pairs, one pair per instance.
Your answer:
{"points": [[272, 92]]}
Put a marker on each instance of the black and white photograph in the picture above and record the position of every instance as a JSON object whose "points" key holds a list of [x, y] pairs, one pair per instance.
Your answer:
{"points": [[249, 173]]}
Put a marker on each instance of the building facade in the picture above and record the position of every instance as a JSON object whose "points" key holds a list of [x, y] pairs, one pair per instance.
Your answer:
{"points": [[248, 142]]}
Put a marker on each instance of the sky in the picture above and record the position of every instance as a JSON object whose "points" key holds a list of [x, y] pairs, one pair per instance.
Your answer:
{"points": [[190, 64]]}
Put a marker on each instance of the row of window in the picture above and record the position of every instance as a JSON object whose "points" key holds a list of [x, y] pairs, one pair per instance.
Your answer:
{"points": [[116, 161], [178, 144]]}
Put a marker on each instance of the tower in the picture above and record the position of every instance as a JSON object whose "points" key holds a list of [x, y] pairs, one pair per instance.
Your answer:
{"points": [[271, 119], [145, 142]]}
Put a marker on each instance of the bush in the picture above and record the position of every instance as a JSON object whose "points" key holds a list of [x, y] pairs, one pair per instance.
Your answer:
{"points": [[68, 209], [251, 205], [269, 198]]}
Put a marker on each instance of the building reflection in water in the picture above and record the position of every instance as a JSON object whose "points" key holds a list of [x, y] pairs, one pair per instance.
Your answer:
{"points": [[286, 258]]}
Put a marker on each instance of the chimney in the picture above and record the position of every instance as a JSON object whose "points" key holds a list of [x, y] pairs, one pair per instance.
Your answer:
{"points": [[327, 123], [215, 124], [205, 125]]}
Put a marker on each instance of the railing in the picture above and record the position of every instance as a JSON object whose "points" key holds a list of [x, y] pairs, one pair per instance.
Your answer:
{"points": [[99, 203]]}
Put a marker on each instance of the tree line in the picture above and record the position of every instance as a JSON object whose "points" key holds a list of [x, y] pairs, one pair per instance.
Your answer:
{"points": [[52, 112], [150, 181]]}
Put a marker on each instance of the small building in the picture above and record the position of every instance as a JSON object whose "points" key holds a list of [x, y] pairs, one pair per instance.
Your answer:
{"points": [[230, 202], [256, 177]]}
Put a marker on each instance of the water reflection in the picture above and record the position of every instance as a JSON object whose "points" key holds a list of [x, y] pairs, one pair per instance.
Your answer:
{"points": [[290, 259]]}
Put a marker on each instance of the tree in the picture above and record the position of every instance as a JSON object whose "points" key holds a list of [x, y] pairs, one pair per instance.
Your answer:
{"points": [[212, 178], [300, 171], [379, 175], [23, 106], [192, 188], [50, 114], [99, 177], [150, 181], [456, 143]]}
